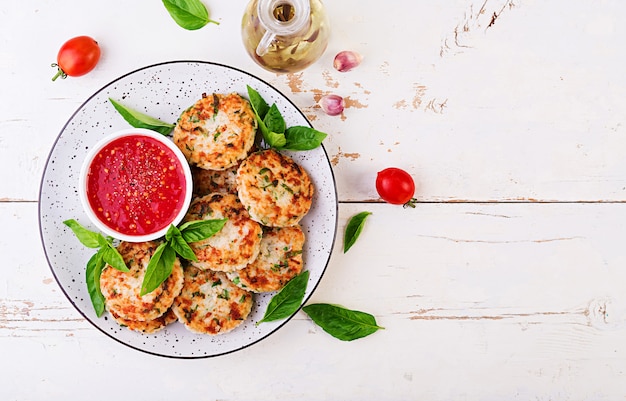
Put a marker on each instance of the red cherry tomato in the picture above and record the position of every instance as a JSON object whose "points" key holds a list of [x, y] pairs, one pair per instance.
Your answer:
{"points": [[396, 186], [77, 57]]}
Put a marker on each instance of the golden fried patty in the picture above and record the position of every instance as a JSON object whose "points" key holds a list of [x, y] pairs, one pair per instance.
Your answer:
{"points": [[210, 181], [275, 190], [148, 326], [217, 132], [236, 244], [279, 260], [210, 303], [121, 289]]}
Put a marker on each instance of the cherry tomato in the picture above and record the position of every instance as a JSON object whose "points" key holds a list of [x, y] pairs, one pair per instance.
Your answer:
{"points": [[396, 186], [77, 57]]}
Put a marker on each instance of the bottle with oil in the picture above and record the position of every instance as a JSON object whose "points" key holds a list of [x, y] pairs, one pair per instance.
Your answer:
{"points": [[285, 35]]}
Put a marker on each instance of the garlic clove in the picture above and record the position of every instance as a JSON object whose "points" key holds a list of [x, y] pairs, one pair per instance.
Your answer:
{"points": [[346, 60], [332, 105]]}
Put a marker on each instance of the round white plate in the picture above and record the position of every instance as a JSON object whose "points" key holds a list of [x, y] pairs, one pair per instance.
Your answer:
{"points": [[164, 91]]}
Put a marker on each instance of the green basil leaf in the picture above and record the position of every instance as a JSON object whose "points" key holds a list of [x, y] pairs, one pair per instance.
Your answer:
{"points": [[188, 14], [88, 238], [172, 230], [274, 121], [353, 230], [274, 129], [342, 323], [303, 138], [259, 105], [140, 120], [178, 244], [112, 257], [92, 277], [275, 140], [287, 301], [159, 268], [198, 230]]}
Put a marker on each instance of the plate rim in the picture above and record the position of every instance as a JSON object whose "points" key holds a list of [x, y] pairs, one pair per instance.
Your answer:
{"points": [[42, 182]]}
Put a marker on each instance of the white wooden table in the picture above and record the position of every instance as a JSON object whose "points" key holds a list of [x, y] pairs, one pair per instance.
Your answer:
{"points": [[507, 282]]}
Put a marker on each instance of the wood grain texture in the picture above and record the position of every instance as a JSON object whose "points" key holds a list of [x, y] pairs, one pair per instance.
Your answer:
{"points": [[506, 282], [485, 301]]}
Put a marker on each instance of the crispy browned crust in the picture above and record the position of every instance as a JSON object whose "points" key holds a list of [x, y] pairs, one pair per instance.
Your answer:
{"points": [[149, 326], [206, 182], [210, 303], [121, 289], [275, 190], [217, 132], [236, 244], [279, 260]]}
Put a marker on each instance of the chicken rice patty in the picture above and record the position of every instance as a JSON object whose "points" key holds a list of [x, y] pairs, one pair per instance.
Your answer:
{"points": [[210, 303], [217, 132], [206, 182], [279, 260], [149, 326], [236, 244], [121, 289], [275, 190]]}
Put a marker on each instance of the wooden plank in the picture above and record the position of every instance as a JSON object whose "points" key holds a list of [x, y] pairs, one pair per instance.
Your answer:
{"points": [[526, 108], [523, 108], [477, 300]]}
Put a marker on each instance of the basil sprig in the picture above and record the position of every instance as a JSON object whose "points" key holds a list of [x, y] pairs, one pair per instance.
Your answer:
{"points": [[138, 119], [160, 265], [92, 277], [287, 300], [188, 14], [176, 242], [274, 129], [353, 230], [341, 323], [106, 254]]}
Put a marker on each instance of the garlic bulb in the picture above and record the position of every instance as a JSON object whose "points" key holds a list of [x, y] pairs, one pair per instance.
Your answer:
{"points": [[332, 104], [346, 60]]}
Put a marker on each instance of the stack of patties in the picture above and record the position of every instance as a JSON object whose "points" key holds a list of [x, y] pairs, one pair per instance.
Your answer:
{"points": [[263, 194], [277, 193], [148, 313]]}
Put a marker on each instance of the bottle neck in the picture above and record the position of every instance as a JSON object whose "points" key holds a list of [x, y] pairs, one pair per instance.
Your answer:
{"points": [[284, 17]]}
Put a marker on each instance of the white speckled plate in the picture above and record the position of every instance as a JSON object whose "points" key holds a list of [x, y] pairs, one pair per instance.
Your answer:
{"points": [[164, 91]]}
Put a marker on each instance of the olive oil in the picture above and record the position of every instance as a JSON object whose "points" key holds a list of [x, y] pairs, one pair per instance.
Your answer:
{"points": [[285, 35], [284, 12]]}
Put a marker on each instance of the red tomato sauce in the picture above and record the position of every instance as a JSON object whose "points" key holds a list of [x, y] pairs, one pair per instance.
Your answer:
{"points": [[136, 185]]}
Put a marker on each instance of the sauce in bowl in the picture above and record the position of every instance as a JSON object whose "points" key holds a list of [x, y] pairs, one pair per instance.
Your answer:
{"points": [[136, 185]]}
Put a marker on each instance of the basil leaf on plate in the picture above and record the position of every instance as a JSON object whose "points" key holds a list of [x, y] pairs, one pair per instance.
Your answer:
{"points": [[188, 14], [92, 277], [259, 105], [159, 268], [86, 237], [274, 129], [177, 242], [303, 138], [138, 119], [106, 254], [287, 300], [274, 140], [112, 257], [274, 121], [353, 230], [342, 323], [198, 230]]}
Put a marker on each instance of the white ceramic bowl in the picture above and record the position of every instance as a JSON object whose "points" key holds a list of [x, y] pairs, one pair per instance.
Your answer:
{"points": [[83, 183]]}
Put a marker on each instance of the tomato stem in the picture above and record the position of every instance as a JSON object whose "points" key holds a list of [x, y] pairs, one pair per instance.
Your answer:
{"points": [[410, 203], [60, 72]]}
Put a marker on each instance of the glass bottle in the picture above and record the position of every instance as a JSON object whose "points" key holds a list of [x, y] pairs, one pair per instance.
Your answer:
{"points": [[285, 35]]}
